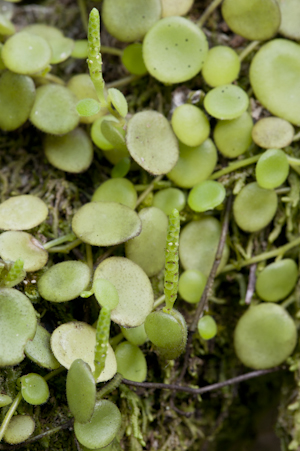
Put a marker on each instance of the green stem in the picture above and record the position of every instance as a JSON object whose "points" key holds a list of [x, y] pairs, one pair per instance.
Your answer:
{"points": [[296, 137], [250, 47], [9, 414], [264, 256], [62, 239], [54, 373], [294, 161], [123, 81], [148, 190], [209, 10], [236, 165], [65, 249], [89, 257], [111, 50], [158, 302]]}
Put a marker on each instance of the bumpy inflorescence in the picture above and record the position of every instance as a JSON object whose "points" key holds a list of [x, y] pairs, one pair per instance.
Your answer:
{"points": [[102, 337], [171, 263]]}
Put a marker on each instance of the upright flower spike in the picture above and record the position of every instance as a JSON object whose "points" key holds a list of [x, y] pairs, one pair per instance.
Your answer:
{"points": [[94, 59], [102, 337], [171, 263]]}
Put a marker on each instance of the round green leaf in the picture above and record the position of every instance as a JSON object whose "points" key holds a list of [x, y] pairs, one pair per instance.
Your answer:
{"points": [[129, 21], [131, 362], [17, 94], [106, 293], [88, 107], [272, 169], [264, 336], [207, 327], [290, 16], [151, 142], [116, 190], [77, 340], [233, 137], [134, 289], [226, 102], [19, 429], [276, 68], [64, 281], [135, 335], [277, 280], [105, 223], [254, 20], [38, 350], [17, 325], [273, 133], [198, 245], [174, 50], [191, 285], [132, 59], [254, 207], [195, 164], [15, 245], [102, 428], [54, 110], [206, 196], [175, 7], [148, 249], [72, 152], [168, 199], [81, 391], [34, 389], [22, 212], [25, 53]]}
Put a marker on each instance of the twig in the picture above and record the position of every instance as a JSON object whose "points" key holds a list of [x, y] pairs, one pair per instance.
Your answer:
{"points": [[251, 284], [215, 266], [207, 388], [208, 286]]}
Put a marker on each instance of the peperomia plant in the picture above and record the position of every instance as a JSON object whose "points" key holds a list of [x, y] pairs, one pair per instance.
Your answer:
{"points": [[171, 125]]}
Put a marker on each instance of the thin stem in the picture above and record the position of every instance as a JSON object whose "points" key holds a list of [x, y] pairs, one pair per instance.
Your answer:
{"points": [[209, 10], [111, 50], [83, 14], [65, 249], [250, 47], [54, 373], [296, 136], [158, 302], [294, 161], [207, 388], [62, 239], [264, 256], [148, 190], [13, 407], [123, 81], [236, 165], [206, 292], [251, 284], [89, 256], [214, 268]]}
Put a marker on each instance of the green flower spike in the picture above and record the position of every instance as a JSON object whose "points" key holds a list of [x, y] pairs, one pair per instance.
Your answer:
{"points": [[171, 264], [94, 59]]}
